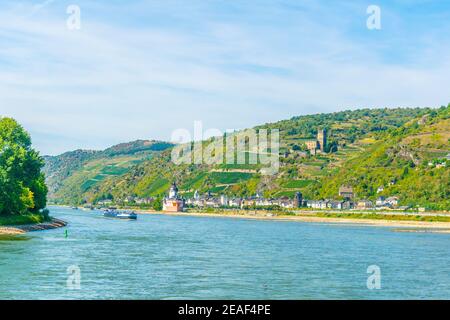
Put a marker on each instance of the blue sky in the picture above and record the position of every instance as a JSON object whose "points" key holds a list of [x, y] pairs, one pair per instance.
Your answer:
{"points": [[142, 69]]}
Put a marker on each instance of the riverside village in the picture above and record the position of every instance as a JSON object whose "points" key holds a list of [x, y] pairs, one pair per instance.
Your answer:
{"points": [[174, 202], [346, 199]]}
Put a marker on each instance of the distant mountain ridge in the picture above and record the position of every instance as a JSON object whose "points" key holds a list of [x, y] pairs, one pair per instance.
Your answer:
{"points": [[136, 146], [59, 168]]}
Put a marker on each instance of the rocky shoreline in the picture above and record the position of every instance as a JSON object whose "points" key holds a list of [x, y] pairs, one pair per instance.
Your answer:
{"points": [[15, 230]]}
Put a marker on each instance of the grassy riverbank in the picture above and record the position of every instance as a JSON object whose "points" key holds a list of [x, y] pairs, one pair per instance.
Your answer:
{"points": [[17, 220], [389, 217]]}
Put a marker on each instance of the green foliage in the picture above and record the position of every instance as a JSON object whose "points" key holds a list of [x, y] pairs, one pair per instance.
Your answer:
{"points": [[345, 126], [285, 193], [75, 177], [194, 182], [229, 177], [22, 185], [375, 216], [157, 187], [297, 183], [157, 204], [12, 220], [114, 170], [45, 213], [393, 158], [135, 147], [74, 174]]}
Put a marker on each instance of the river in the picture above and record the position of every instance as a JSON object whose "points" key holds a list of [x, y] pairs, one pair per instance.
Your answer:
{"points": [[182, 257]]}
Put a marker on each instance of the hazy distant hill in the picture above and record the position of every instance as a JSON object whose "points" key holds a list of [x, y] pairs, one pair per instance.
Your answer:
{"points": [[59, 168], [130, 148], [373, 146], [71, 174]]}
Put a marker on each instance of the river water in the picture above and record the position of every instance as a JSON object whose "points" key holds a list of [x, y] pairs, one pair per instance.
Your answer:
{"points": [[182, 257]]}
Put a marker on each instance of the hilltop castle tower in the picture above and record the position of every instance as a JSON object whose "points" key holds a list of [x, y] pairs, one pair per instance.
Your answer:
{"points": [[322, 139], [319, 144]]}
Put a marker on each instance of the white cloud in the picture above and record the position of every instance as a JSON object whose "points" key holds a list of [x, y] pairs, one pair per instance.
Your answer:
{"points": [[113, 81]]}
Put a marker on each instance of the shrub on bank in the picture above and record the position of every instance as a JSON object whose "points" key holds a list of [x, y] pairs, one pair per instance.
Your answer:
{"points": [[12, 220]]}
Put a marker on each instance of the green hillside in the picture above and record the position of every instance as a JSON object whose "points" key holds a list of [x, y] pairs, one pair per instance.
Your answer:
{"points": [[407, 162], [73, 174], [352, 135]]}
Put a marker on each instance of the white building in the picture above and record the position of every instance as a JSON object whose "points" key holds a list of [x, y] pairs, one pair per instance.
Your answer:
{"points": [[392, 201], [317, 204], [364, 204], [212, 202], [105, 202], [335, 205], [224, 200], [235, 202], [381, 202]]}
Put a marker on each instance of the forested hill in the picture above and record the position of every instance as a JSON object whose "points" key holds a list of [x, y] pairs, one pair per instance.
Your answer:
{"points": [[74, 172], [345, 127], [411, 162], [361, 145]]}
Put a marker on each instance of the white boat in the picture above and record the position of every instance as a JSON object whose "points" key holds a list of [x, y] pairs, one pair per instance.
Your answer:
{"points": [[120, 215]]}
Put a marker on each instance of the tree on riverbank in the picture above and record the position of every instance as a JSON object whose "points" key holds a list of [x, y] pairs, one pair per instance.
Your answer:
{"points": [[22, 185]]}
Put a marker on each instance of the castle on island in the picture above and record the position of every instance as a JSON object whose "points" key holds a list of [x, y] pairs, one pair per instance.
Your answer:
{"points": [[173, 203]]}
